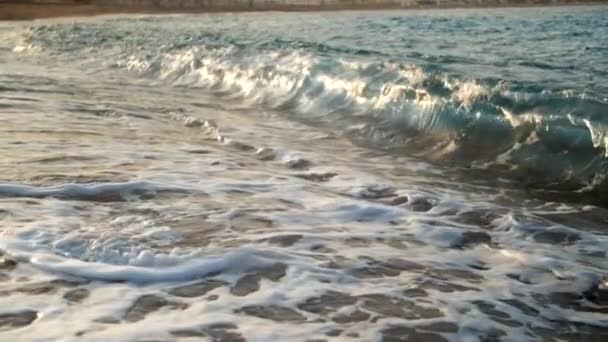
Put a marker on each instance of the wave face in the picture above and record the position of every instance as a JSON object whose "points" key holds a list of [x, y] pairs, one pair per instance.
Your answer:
{"points": [[524, 99]]}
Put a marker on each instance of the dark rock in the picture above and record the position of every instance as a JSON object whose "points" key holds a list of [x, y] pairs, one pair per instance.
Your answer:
{"points": [[403, 265], [390, 268], [357, 242], [266, 154], [334, 332], [222, 333], [198, 151], [563, 299], [241, 146], [317, 177], [409, 334], [274, 272], [399, 200], [478, 218], [489, 335], [224, 326], [68, 283], [421, 205], [4, 214], [108, 320], [147, 304], [593, 299], [245, 222], [184, 333], [337, 264], [329, 302], [76, 295], [415, 292], [7, 263], [355, 316], [395, 243], [519, 277], [272, 312], [45, 287], [285, 240], [212, 298], [598, 293], [456, 273], [299, 164], [556, 236], [595, 254], [217, 333], [471, 239], [37, 288], [197, 289], [594, 219], [442, 327], [375, 272], [521, 306], [396, 307], [376, 191], [245, 285], [17, 319], [572, 331], [479, 266], [444, 286], [496, 315], [320, 248]]}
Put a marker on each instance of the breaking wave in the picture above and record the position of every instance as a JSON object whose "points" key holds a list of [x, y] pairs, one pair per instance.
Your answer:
{"points": [[548, 137]]}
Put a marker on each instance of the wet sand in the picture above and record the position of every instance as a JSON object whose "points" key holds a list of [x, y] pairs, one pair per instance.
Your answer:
{"points": [[37, 9]]}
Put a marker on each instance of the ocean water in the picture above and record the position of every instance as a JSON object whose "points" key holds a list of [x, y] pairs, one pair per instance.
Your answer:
{"points": [[340, 176]]}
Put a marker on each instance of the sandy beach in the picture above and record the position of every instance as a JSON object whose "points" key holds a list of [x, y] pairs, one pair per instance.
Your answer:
{"points": [[36, 9]]}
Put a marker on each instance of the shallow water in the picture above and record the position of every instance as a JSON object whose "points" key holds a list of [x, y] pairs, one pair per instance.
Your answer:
{"points": [[421, 175]]}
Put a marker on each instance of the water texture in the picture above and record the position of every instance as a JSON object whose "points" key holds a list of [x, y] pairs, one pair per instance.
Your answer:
{"points": [[397, 176]]}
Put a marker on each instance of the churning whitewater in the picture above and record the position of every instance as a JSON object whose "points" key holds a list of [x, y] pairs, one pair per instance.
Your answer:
{"points": [[390, 176]]}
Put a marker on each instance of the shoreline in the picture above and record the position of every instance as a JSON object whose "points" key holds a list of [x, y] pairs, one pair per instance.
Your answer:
{"points": [[15, 11]]}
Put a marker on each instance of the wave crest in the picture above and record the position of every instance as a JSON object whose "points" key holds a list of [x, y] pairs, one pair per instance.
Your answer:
{"points": [[548, 137]]}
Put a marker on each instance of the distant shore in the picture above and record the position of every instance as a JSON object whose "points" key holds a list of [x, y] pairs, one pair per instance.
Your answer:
{"points": [[38, 9]]}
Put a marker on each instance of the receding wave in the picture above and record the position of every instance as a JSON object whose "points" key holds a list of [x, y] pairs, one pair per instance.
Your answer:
{"points": [[549, 137]]}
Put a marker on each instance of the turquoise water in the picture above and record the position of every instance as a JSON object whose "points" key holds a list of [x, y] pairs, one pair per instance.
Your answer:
{"points": [[521, 93]]}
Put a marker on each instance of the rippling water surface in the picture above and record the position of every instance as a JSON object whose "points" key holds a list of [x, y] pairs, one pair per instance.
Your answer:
{"points": [[416, 176]]}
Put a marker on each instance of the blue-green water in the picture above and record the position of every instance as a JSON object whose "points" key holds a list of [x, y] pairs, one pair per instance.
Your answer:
{"points": [[520, 92]]}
